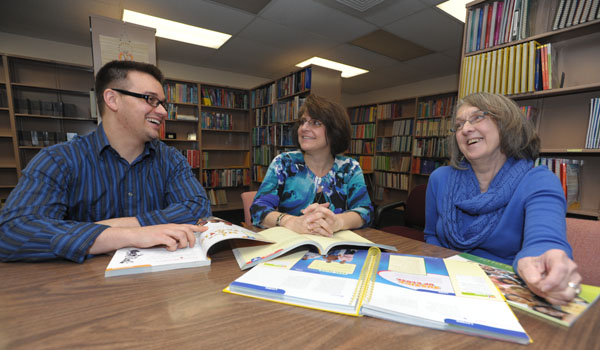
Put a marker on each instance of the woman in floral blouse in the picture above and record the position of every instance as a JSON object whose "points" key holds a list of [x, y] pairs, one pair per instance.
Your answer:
{"points": [[315, 190]]}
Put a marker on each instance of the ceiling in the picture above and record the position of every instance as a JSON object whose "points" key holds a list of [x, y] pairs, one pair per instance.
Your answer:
{"points": [[271, 36]]}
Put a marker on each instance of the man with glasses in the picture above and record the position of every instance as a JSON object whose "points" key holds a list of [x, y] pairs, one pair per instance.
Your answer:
{"points": [[116, 187]]}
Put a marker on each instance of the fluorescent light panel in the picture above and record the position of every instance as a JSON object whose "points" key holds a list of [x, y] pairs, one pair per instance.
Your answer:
{"points": [[177, 31], [347, 71], [455, 8]]}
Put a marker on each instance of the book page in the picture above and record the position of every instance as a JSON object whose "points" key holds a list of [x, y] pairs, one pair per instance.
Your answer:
{"points": [[220, 230], [470, 280], [407, 264], [127, 258]]}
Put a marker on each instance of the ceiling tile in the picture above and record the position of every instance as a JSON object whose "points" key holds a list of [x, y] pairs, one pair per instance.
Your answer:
{"points": [[431, 28], [394, 12], [316, 18], [252, 6], [388, 44]]}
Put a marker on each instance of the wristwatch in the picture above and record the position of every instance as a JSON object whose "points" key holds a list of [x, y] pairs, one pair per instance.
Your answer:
{"points": [[278, 222]]}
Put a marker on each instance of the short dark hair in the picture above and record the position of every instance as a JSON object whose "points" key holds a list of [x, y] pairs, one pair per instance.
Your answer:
{"points": [[333, 116], [114, 73], [518, 138]]}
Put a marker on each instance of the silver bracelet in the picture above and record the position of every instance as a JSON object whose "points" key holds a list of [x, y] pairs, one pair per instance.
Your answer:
{"points": [[278, 222]]}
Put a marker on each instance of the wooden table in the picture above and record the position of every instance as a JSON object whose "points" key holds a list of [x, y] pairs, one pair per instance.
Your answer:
{"points": [[63, 305]]}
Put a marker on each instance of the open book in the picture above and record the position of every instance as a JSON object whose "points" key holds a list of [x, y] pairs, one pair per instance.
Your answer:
{"points": [[127, 261], [518, 295], [286, 240], [431, 292]]}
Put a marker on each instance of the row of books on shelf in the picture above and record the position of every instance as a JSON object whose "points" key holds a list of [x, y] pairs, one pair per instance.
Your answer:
{"points": [[216, 120], [402, 127], [192, 156], [526, 67], [574, 12], [181, 92], [391, 180], [363, 131], [361, 147], [390, 111], [49, 108], [365, 162], [263, 96], [530, 113], [217, 197], [43, 138], [497, 23], [392, 163], [294, 83], [568, 172], [433, 127], [366, 114], [225, 177], [259, 172], [436, 108], [263, 154], [394, 144], [425, 166], [434, 147], [220, 97], [592, 139], [280, 112], [274, 135], [176, 113]]}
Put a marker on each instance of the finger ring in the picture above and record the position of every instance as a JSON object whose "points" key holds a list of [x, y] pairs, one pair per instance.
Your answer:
{"points": [[575, 286]]}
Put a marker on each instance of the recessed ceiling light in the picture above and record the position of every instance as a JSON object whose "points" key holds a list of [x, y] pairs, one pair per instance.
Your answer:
{"points": [[347, 71], [455, 8], [177, 31]]}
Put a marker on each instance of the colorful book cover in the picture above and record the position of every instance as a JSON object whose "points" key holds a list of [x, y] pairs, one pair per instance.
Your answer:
{"points": [[518, 295]]}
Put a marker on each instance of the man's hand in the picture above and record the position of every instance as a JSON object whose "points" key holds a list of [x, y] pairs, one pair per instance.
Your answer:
{"points": [[172, 236], [551, 275]]}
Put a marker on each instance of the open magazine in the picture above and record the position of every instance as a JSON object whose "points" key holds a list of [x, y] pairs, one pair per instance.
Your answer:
{"points": [[128, 261], [424, 291], [518, 295]]}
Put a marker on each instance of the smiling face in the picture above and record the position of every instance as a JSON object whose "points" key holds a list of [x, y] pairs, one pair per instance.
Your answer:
{"points": [[312, 135], [136, 116], [479, 142]]}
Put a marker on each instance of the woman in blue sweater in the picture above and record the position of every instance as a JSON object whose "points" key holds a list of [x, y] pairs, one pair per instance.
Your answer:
{"points": [[492, 202]]}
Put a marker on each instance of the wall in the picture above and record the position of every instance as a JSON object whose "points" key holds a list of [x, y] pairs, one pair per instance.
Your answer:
{"points": [[56, 51]]}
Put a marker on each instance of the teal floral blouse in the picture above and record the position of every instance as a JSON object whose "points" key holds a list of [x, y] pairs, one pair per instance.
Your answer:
{"points": [[290, 186]]}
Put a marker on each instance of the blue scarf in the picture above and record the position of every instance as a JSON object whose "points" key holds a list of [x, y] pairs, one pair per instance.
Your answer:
{"points": [[464, 197]]}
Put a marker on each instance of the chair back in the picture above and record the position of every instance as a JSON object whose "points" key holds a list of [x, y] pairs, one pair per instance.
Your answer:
{"points": [[414, 212], [584, 237], [247, 199]]}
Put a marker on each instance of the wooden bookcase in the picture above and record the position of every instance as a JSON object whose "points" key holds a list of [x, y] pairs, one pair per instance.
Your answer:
{"points": [[563, 111], [43, 103], [410, 142], [362, 143], [53, 100], [274, 108], [225, 144]]}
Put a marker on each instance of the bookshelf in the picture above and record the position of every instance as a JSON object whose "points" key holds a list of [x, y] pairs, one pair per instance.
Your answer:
{"points": [[558, 85], [42, 103], [362, 144], [274, 109], [225, 145]]}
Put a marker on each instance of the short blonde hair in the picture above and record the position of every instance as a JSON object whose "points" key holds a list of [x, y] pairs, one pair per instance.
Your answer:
{"points": [[518, 138]]}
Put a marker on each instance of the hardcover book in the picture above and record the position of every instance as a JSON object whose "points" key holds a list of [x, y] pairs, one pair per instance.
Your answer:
{"points": [[127, 261]]}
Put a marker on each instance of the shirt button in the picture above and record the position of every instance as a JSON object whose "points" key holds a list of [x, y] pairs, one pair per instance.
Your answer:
{"points": [[130, 194]]}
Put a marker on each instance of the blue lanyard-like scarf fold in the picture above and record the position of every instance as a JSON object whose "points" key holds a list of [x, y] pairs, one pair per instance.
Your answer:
{"points": [[464, 197]]}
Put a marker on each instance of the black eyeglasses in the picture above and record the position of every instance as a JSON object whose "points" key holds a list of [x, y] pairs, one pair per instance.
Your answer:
{"points": [[150, 99], [313, 123], [474, 119]]}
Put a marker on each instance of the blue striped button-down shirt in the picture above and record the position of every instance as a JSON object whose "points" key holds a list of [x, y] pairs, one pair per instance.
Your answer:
{"points": [[66, 188]]}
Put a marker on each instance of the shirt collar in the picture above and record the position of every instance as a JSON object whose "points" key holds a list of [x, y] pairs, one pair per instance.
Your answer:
{"points": [[101, 142]]}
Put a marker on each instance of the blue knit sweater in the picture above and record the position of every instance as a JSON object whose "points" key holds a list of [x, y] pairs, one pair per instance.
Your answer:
{"points": [[532, 223]]}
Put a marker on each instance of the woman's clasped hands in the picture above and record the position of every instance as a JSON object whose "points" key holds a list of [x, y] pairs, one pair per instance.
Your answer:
{"points": [[317, 219]]}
